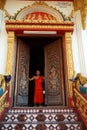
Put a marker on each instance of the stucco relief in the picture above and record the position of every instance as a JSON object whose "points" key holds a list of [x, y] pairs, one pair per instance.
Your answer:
{"points": [[42, 7]]}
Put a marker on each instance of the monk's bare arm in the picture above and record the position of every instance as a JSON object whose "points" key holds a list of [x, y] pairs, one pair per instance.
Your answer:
{"points": [[30, 79]]}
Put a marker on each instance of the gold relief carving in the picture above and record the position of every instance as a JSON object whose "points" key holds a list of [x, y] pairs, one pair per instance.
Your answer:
{"points": [[47, 17], [33, 17], [69, 60], [39, 4], [82, 6], [10, 53], [56, 17], [40, 17], [81, 104], [64, 27]]}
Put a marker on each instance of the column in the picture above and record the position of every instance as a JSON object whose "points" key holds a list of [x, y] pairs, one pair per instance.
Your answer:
{"points": [[10, 57], [70, 66]]}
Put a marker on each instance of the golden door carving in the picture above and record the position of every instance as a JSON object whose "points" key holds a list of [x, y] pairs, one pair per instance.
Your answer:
{"points": [[54, 87], [22, 74]]}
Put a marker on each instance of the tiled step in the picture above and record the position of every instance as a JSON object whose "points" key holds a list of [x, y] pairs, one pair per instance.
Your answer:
{"points": [[41, 118], [41, 126], [46, 117], [41, 109]]}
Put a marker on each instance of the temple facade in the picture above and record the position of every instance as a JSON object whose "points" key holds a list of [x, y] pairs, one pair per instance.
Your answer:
{"points": [[43, 50], [50, 36]]}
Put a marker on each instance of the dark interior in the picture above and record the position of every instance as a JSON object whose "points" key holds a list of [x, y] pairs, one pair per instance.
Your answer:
{"points": [[36, 63]]}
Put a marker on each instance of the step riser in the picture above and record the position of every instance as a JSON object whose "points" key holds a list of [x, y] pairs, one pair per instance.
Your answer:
{"points": [[47, 126], [37, 110], [47, 117]]}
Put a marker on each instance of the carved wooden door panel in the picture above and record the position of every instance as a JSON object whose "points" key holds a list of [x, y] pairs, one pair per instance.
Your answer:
{"points": [[22, 74], [54, 86]]}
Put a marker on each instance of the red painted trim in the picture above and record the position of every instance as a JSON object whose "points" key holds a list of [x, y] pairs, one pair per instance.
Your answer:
{"points": [[70, 100], [36, 28], [81, 119], [10, 102], [20, 31]]}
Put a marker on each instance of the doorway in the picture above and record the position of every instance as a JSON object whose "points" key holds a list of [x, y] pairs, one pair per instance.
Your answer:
{"points": [[45, 54]]}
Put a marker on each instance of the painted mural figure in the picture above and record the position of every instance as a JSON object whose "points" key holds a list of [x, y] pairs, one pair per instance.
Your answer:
{"points": [[38, 90]]}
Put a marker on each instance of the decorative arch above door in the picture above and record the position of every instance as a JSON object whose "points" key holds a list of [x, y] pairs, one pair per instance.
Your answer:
{"points": [[40, 12], [40, 16]]}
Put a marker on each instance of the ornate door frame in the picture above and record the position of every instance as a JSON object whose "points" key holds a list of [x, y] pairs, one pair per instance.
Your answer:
{"points": [[17, 27]]}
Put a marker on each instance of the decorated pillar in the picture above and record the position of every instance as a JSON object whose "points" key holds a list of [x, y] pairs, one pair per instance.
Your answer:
{"points": [[10, 57], [70, 66], [82, 6], [2, 4]]}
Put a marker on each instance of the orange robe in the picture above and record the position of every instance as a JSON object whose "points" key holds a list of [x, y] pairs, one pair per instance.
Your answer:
{"points": [[38, 91]]}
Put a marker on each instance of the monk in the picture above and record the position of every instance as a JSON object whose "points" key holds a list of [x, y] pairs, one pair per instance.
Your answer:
{"points": [[38, 90]]}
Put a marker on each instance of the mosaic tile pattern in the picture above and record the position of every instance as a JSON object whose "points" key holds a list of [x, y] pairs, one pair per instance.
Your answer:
{"points": [[40, 118]]}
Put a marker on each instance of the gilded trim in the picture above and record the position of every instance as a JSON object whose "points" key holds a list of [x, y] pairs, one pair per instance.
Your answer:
{"points": [[70, 64], [16, 27], [9, 66], [10, 55], [80, 95]]}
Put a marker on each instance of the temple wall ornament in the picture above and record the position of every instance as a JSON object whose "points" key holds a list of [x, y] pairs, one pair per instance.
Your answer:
{"points": [[82, 6], [39, 12], [39, 16]]}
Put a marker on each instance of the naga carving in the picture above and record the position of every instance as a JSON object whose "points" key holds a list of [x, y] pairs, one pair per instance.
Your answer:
{"points": [[78, 80]]}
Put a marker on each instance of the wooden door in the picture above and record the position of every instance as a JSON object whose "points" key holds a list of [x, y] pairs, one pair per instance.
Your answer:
{"points": [[54, 85], [22, 74]]}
